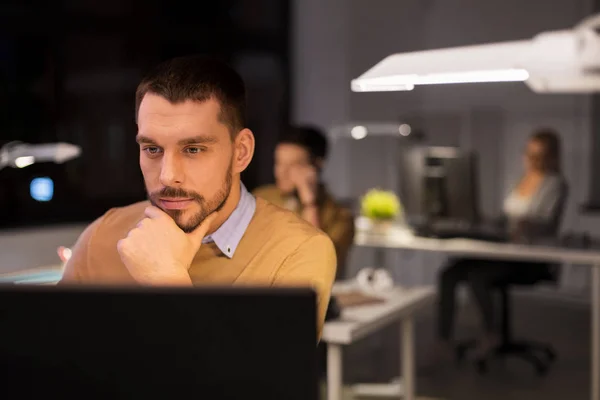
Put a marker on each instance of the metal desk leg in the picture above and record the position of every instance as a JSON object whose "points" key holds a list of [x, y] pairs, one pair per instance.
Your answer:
{"points": [[408, 359], [595, 306], [334, 372], [404, 386]]}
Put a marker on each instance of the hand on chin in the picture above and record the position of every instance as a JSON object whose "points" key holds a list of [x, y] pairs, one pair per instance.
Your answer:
{"points": [[158, 252]]}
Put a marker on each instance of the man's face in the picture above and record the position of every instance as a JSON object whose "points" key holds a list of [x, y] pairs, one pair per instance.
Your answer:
{"points": [[287, 158], [186, 158]]}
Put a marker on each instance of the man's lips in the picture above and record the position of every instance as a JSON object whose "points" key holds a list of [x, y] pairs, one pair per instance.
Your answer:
{"points": [[175, 204]]}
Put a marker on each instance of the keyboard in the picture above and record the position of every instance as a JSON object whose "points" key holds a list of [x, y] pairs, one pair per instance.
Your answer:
{"points": [[484, 233], [475, 235]]}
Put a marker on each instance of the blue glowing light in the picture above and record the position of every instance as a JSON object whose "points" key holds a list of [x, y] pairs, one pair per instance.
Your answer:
{"points": [[41, 189]]}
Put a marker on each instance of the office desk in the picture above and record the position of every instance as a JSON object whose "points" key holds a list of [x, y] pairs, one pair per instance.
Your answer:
{"points": [[397, 238], [357, 322]]}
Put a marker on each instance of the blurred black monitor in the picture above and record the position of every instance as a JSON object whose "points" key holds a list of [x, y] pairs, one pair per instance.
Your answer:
{"points": [[157, 343], [439, 184]]}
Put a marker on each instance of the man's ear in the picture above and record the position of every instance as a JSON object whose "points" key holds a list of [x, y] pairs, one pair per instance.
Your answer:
{"points": [[243, 150]]}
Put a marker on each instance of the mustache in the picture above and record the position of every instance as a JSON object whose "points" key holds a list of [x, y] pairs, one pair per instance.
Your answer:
{"points": [[168, 191]]}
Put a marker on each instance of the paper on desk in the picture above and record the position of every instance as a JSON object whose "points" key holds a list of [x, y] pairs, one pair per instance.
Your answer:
{"points": [[356, 298]]}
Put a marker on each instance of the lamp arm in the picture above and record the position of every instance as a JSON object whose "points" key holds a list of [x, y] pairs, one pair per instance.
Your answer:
{"points": [[5, 153], [589, 23]]}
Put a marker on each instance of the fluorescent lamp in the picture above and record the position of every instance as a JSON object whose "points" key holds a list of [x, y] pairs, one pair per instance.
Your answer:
{"points": [[21, 155], [359, 132], [404, 82], [502, 75], [560, 61], [404, 129], [361, 129], [22, 162], [380, 86]]}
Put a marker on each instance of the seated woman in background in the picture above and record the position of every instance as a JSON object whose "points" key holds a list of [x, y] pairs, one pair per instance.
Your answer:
{"points": [[532, 212]]}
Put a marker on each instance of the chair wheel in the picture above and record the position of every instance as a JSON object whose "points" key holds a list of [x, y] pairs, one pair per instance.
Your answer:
{"points": [[460, 354], [541, 369], [481, 366], [550, 354]]}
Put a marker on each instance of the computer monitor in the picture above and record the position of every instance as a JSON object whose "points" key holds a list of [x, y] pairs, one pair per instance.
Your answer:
{"points": [[157, 343], [439, 184]]}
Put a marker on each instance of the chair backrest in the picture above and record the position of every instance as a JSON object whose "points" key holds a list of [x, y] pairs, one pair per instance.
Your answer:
{"points": [[548, 272], [350, 206], [555, 268], [561, 205]]}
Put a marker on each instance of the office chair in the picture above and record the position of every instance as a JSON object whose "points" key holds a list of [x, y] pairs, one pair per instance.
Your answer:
{"points": [[540, 355]]}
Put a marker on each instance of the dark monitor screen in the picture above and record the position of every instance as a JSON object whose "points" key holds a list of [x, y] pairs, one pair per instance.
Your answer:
{"points": [[157, 343], [439, 183]]}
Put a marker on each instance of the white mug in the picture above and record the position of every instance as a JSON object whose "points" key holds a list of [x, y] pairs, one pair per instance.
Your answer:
{"points": [[374, 279]]}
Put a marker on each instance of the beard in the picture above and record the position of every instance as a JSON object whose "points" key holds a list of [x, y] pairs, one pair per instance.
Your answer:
{"points": [[207, 207]]}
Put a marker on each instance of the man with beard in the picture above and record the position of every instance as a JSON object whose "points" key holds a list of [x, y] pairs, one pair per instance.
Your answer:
{"points": [[201, 225]]}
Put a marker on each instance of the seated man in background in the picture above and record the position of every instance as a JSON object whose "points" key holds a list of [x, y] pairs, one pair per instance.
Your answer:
{"points": [[200, 225], [299, 158]]}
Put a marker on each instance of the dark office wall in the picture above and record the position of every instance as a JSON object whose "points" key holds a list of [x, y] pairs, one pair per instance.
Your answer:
{"points": [[68, 72]]}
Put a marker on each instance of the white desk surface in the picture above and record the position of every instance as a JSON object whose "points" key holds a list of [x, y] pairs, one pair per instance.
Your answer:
{"points": [[360, 321], [400, 239]]}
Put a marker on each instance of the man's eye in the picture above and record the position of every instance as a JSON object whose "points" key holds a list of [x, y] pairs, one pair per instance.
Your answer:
{"points": [[193, 150], [151, 150]]}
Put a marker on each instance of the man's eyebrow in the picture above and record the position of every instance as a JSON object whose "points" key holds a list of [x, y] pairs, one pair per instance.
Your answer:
{"points": [[200, 139], [141, 139]]}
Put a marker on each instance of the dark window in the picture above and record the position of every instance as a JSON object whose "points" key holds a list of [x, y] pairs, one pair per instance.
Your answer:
{"points": [[68, 73]]}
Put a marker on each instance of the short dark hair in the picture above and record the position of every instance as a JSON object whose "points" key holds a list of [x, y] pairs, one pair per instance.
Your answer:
{"points": [[198, 78], [308, 137]]}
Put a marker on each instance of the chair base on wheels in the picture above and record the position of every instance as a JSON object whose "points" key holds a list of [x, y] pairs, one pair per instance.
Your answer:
{"points": [[540, 355]]}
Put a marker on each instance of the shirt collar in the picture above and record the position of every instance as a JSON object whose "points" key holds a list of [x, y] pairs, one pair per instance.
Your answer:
{"points": [[229, 234]]}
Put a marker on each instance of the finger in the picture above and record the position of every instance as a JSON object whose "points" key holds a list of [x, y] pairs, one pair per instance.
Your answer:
{"points": [[121, 246], [143, 222], [200, 232], [153, 212]]}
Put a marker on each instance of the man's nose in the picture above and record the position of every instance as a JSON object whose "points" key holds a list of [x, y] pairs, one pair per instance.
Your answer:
{"points": [[171, 173]]}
